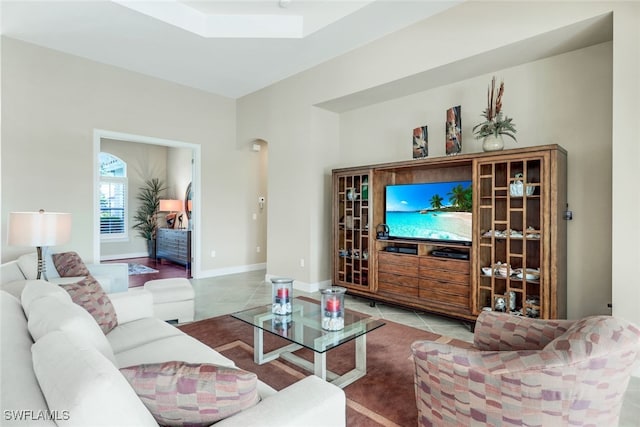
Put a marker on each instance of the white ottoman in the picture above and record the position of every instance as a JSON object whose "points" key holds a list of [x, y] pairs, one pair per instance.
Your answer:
{"points": [[172, 299]]}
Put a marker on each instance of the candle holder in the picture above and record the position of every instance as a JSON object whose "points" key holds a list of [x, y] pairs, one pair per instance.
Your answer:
{"points": [[282, 324], [281, 293], [333, 308]]}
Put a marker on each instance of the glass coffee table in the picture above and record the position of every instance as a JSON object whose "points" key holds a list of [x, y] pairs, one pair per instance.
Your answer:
{"points": [[303, 330]]}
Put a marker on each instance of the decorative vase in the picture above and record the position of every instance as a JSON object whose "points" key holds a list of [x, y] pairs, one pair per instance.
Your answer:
{"points": [[151, 248], [282, 293], [492, 143], [333, 308]]}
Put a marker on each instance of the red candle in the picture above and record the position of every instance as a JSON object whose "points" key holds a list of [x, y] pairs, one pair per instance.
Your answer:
{"points": [[333, 304], [283, 292]]}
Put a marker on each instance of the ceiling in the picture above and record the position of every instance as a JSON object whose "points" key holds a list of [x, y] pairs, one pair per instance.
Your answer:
{"points": [[230, 48]]}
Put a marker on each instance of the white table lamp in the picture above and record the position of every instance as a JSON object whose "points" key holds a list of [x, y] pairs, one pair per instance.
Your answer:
{"points": [[39, 229]]}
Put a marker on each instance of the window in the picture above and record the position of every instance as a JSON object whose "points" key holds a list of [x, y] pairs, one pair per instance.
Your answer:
{"points": [[113, 197]]}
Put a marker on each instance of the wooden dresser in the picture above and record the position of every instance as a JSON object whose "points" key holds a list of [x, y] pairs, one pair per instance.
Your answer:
{"points": [[174, 245]]}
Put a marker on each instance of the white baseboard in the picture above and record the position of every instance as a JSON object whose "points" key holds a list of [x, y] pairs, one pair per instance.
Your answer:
{"points": [[231, 270], [124, 256]]}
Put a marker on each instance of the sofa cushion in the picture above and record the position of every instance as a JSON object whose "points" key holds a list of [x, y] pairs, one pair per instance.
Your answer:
{"points": [[14, 287], [88, 294], [177, 347], [19, 389], [79, 381], [69, 264], [591, 337], [50, 314], [139, 332], [180, 393], [36, 289]]}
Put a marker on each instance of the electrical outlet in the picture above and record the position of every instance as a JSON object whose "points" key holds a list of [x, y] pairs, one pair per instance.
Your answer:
{"points": [[301, 262], [258, 249], [213, 254]]}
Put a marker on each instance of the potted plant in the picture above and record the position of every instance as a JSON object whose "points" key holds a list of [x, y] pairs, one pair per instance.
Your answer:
{"points": [[146, 219], [495, 125]]}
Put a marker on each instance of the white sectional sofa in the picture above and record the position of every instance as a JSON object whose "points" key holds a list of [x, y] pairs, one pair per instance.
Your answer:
{"points": [[113, 277], [58, 368]]}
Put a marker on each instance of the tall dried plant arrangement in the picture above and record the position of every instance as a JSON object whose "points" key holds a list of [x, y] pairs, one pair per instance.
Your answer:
{"points": [[495, 124]]}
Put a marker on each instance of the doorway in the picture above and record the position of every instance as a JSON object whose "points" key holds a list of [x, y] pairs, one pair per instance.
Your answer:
{"points": [[100, 136]]}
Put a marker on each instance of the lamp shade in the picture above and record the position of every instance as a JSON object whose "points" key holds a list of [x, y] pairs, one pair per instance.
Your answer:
{"points": [[168, 205], [39, 228]]}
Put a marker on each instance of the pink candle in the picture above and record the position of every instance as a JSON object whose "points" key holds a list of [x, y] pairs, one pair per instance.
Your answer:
{"points": [[283, 292], [333, 304]]}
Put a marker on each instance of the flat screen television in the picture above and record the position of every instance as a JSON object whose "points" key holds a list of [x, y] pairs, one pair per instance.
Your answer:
{"points": [[434, 211]]}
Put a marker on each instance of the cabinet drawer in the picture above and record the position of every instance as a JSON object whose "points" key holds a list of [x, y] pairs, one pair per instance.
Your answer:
{"points": [[461, 266], [403, 259], [444, 275], [400, 280], [406, 270], [444, 287], [395, 288], [445, 292]]}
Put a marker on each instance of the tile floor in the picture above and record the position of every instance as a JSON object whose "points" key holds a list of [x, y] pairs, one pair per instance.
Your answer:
{"points": [[226, 294]]}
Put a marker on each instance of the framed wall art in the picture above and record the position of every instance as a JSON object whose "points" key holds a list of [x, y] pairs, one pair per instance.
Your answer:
{"points": [[420, 142], [453, 143]]}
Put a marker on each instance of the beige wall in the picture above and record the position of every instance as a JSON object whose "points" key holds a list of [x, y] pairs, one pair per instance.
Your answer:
{"points": [[179, 172], [144, 162], [549, 106], [626, 162], [284, 115], [51, 104]]}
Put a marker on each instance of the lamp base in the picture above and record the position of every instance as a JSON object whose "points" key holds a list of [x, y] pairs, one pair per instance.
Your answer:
{"points": [[42, 267]]}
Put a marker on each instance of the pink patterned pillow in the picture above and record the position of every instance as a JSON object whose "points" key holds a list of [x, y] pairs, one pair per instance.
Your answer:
{"points": [[69, 264], [88, 294], [181, 393]]}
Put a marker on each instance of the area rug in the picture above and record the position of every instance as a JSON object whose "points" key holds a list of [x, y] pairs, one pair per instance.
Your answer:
{"points": [[140, 269], [384, 397]]}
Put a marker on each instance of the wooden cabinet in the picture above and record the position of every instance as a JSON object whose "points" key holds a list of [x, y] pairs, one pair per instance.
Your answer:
{"points": [[174, 245], [520, 235], [398, 275], [444, 284], [519, 197], [435, 284], [351, 233]]}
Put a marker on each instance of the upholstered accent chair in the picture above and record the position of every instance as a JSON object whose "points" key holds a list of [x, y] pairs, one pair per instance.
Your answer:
{"points": [[530, 372]]}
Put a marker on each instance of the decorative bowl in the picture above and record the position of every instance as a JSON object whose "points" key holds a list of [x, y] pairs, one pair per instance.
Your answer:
{"points": [[487, 271], [529, 274]]}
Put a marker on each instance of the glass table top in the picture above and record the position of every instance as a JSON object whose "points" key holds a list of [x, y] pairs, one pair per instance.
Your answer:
{"points": [[303, 326]]}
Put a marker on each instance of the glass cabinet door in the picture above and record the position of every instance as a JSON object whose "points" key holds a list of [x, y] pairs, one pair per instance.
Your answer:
{"points": [[351, 233], [510, 249]]}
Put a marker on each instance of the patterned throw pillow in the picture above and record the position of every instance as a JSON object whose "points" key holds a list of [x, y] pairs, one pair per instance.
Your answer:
{"points": [[181, 393], [69, 264], [88, 294]]}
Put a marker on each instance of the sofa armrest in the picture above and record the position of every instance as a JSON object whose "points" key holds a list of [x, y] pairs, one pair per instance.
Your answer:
{"points": [[117, 272], [501, 331], [10, 272], [132, 305], [309, 402], [11, 278]]}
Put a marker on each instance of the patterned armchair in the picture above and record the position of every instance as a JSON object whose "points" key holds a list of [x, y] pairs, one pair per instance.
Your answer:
{"points": [[530, 372]]}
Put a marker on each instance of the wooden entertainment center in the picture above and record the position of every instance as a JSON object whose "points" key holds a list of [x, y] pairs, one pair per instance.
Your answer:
{"points": [[518, 236]]}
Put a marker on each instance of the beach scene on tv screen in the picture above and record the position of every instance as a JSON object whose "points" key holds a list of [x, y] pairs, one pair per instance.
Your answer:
{"points": [[432, 211]]}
